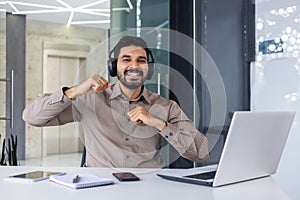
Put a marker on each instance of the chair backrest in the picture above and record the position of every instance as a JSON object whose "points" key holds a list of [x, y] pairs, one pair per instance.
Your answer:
{"points": [[82, 164]]}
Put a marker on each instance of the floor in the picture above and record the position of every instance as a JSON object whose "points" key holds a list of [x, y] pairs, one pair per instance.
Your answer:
{"points": [[59, 160]]}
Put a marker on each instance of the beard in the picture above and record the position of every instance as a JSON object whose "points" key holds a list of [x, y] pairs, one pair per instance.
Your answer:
{"points": [[132, 84]]}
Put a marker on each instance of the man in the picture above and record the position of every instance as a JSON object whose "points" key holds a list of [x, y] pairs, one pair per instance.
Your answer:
{"points": [[124, 124]]}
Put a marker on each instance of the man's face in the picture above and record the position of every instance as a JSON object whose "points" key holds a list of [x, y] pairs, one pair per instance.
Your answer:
{"points": [[132, 66]]}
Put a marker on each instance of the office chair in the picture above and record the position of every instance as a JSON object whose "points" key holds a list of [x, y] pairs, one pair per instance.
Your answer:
{"points": [[82, 164]]}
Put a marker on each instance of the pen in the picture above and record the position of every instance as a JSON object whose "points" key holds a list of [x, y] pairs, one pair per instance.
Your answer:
{"points": [[76, 179]]}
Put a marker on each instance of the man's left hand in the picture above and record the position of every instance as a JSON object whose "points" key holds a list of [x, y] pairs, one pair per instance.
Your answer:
{"points": [[140, 115]]}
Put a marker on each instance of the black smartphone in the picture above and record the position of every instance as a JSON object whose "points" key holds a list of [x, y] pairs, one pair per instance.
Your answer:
{"points": [[126, 176]]}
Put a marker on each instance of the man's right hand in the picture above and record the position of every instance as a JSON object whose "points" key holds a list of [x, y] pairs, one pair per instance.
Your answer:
{"points": [[95, 83]]}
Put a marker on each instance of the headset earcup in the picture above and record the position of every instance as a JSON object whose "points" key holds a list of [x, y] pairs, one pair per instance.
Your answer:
{"points": [[112, 67], [150, 70]]}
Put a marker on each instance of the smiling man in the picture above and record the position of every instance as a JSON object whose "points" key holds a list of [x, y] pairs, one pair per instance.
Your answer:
{"points": [[132, 78], [124, 123]]}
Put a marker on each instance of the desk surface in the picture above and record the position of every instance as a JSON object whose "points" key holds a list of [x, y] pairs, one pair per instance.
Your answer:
{"points": [[150, 187]]}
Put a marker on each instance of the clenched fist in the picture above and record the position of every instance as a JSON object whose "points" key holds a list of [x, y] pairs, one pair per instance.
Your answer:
{"points": [[140, 115], [95, 83]]}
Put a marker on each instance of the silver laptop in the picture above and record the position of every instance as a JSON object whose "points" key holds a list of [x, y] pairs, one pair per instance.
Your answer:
{"points": [[253, 147]]}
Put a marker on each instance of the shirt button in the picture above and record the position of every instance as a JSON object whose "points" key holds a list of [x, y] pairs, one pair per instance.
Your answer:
{"points": [[171, 134], [127, 156], [126, 139]]}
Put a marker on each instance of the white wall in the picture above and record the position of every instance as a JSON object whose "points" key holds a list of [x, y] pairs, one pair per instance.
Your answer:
{"points": [[275, 81]]}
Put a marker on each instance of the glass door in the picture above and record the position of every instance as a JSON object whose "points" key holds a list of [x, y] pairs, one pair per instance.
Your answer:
{"points": [[137, 18]]}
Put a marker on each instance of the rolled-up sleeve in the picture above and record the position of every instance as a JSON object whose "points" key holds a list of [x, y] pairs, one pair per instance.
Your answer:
{"points": [[49, 110]]}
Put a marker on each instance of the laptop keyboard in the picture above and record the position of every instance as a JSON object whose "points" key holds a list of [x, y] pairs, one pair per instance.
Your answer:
{"points": [[204, 176]]}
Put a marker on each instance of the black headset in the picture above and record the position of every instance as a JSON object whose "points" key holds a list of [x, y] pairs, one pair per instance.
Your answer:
{"points": [[112, 63]]}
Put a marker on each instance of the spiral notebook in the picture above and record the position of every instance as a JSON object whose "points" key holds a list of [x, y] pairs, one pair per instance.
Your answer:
{"points": [[83, 180]]}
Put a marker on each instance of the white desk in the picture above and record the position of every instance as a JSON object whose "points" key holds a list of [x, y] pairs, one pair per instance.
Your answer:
{"points": [[150, 187]]}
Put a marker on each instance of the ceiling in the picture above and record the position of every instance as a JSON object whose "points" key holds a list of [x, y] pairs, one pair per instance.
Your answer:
{"points": [[89, 13]]}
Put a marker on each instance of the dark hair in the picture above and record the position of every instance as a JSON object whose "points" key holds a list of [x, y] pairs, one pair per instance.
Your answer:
{"points": [[129, 41]]}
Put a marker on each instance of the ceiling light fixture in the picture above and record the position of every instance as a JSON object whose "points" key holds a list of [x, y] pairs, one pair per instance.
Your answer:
{"points": [[98, 10], [64, 4], [34, 8], [92, 22], [34, 5], [130, 4], [70, 18], [92, 12], [120, 9], [92, 4], [38, 12], [13, 6]]}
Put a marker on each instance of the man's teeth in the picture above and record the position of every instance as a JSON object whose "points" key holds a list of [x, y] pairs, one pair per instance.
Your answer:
{"points": [[133, 73]]}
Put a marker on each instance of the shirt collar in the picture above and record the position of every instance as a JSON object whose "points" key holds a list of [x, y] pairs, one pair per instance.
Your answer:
{"points": [[116, 91]]}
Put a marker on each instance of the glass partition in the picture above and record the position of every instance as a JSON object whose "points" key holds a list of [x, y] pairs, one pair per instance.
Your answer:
{"points": [[149, 20], [275, 83], [145, 19]]}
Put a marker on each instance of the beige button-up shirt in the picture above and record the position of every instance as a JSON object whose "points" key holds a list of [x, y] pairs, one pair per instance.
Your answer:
{"points": [[110, 138]]}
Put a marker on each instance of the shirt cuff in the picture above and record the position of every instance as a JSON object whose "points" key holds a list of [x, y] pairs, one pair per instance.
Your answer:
{"points": [[59, 97], [169, 132]]}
